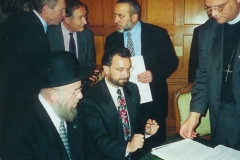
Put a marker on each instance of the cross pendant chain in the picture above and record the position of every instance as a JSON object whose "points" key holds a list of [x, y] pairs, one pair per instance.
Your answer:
{"points": [[228, 71]]}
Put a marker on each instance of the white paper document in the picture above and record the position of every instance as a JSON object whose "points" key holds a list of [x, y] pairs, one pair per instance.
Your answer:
{"points": [[188, 149], [144, 88], [223, 153]]}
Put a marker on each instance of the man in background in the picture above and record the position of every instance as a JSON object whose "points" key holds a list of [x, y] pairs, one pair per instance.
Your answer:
{"points": [[153, 43], [113, 113], [51, 128], [217, 82], [22, 46], [71, 35]]}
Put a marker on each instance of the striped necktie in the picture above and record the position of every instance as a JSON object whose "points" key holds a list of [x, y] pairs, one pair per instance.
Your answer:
{"points": [[64, 137], [130, 44]]}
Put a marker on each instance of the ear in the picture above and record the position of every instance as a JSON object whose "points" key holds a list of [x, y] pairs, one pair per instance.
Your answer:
{"points": [[135, 18], [45, 9], [53, 94], [66, 19], [106, 69]]}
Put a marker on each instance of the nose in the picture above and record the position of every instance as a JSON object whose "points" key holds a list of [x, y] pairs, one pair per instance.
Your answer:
{"points": [[116, 20], [84, 20], [63, 13], [214, 12], [125, 73]]}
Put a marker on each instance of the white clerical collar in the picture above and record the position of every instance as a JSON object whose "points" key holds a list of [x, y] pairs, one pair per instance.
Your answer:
{"points": [[237, 19]]}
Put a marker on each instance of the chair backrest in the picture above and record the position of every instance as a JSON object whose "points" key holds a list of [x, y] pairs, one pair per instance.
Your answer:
{"points": [[181, 104]]}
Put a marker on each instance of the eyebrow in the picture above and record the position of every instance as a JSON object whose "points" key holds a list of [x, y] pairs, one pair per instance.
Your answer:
{"points": [[215, 6]]}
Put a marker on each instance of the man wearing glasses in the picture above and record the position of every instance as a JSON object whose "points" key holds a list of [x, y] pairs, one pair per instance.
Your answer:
{"points": [[154, 45], [112, 108], [217, 82], [51, 128]]}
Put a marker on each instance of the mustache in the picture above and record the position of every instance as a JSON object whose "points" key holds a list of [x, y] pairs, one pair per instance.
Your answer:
{"points": [[124, 79]]}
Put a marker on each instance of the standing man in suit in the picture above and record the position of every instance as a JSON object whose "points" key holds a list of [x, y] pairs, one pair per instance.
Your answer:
{"points": [[37, 131], [217, 82], [73, 24], [22, 45], [113, 111], [153, 43]]}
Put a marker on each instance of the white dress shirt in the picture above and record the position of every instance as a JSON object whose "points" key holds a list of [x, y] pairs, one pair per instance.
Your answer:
{"points": [[66, 38], [53, 116]]}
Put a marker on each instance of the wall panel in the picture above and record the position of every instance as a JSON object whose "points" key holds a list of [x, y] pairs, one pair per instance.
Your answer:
{"points": [[95, 12], [160, 12], [194, 12]]}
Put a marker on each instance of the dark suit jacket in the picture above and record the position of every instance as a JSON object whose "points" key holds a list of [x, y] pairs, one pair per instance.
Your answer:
{"points": [[23, 44], [159, 57], [193, 58], [104, 121], [31, 135], [85, 44], [207, 85]]}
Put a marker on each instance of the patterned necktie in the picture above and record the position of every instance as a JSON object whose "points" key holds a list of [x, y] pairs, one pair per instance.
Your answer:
{"points": [[123, 113], [130, 44], [72, 46], [63, 135]]}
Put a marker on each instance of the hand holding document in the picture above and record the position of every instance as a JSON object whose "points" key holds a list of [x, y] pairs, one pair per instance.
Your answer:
{"points": [[188, 149], [144, 88]]}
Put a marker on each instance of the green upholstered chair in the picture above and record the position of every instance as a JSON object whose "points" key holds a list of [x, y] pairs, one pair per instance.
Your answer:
{"points": [[181, 104]]}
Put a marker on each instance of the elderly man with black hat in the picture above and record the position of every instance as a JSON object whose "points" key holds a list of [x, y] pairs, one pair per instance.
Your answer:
{"points": [[51, 129]]}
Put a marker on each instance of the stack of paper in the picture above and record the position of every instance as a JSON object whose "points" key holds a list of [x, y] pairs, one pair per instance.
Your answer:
{"points": [[188, 149]]}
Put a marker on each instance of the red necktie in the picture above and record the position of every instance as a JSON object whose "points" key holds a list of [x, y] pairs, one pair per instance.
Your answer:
{"points": [[123, 113]]}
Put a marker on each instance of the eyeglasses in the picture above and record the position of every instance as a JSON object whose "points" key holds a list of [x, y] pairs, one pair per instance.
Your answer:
{"points": [[218, 8], [130, 69]]}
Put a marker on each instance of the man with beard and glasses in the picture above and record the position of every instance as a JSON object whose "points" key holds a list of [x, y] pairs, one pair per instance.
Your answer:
{"points": [[154, 44], [51, 128], [112, 108]]}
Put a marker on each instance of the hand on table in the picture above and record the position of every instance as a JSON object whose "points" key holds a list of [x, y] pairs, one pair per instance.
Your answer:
{"points": [[187, 128]]}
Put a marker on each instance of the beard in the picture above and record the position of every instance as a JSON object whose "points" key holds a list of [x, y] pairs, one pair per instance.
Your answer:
{"points": [[127, 27], [64, 111], [117, 82]]}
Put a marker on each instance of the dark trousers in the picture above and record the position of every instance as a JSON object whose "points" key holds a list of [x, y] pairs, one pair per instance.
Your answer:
{"points": [[228, 125]]}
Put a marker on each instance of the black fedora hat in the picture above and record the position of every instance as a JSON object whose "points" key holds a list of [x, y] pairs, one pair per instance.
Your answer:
{"points": [[61, 68]]}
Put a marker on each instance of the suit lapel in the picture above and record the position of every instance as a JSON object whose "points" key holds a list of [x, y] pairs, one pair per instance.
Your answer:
{"points": [[237, 61], [130, 106], [217, 49], [59, 42], [75, 138], [144, 38], [110, 109], [80, 46]]}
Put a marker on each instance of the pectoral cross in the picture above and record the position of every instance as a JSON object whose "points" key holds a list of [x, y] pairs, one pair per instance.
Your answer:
{"points": [[228, 71]]}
